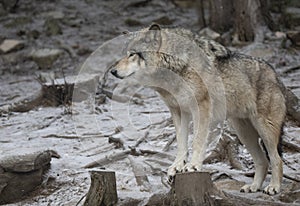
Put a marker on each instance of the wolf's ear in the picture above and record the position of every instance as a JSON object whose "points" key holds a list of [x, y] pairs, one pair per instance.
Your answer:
{"points": [[154, 26]]}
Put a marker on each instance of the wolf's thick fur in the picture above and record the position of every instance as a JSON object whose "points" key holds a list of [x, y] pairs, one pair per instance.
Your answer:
{"points": [[254, 103]]}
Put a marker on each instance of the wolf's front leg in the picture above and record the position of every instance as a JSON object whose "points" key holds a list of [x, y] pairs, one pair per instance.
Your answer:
{"points": [[201, 130], [181, 121]]}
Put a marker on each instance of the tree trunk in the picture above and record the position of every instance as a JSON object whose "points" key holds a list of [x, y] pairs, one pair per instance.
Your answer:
{"points": [[246, 17], [221, 18], [201, 14], [250, 17]]}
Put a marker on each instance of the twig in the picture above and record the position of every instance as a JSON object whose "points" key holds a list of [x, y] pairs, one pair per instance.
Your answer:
{"points": [[80, 200], [290, 146], [108, 159], [142, 139], [157, 123], [60, 136], [290, 69], [158, 153], [154, 112], [170, 141], [251, 174], [49, 123]]}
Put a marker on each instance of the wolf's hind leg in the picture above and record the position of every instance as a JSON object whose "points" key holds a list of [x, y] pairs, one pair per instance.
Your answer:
{"points": [[249, 137], [181, 121], [270, 133]]}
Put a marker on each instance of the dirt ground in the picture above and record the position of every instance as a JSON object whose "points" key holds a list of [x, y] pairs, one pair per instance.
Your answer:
{"points": [[81, 137]]}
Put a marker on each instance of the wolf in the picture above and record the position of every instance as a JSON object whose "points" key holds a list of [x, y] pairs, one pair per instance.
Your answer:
{"points": [[203, 84]]}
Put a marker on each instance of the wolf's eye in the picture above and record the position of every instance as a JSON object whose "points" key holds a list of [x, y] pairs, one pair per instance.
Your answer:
{"points": [[131, 54]]}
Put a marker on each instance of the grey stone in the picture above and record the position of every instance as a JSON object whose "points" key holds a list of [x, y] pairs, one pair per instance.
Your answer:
{"points": [[294, 36], [52, 27], [10, 45], [45, 57], [207, 32]]}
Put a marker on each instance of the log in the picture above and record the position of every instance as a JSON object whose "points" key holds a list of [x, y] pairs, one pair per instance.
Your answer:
{"points": [[21, 174], [103, 191]]}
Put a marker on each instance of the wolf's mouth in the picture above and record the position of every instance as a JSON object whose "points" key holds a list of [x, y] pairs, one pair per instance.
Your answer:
{"points": [[115, 73]]}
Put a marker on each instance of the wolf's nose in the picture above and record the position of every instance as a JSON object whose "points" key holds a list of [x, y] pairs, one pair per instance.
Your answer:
{"points": [[114, 72]]}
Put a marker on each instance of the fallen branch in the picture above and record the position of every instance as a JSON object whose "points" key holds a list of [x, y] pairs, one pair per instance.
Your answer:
{"points": [[142, 139], [290, 69], [290, 146], [108, 159], [140, 175], [60, 136], [251, 174], [169, 143], [225, 150], [24, 105]]}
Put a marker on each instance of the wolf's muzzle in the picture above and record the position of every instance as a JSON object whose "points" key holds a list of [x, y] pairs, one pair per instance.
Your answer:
{"points": [[115, 73]]}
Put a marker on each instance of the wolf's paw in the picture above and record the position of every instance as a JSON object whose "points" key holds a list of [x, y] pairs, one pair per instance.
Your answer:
{"points": [[175, 168], [250, 188], [272, 189], [190, 167]]}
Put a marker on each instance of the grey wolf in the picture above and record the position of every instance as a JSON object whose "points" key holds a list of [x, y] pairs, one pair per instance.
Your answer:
{"points": [[212, 82]]}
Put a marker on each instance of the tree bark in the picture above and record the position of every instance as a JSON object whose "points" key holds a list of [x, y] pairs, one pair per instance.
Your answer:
{"points": [[201, 14], [194, 188], [103, 190], [221, 18], [250, 17]]}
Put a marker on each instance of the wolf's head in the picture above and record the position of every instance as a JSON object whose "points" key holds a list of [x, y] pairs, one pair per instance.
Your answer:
{"points": [[129, 65], [145, 42]]}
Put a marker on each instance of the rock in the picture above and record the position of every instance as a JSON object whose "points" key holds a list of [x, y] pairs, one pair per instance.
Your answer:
{"points": [[45, 57], [207, 32], [54, 14], [52, 27], [164, 20], [294, 36], [133, 22], [280, 35], [10, 45], [21, 174]]}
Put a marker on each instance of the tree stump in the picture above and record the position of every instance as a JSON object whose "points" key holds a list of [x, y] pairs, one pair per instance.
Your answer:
{"points": [[195, 189], [103, 191]]}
